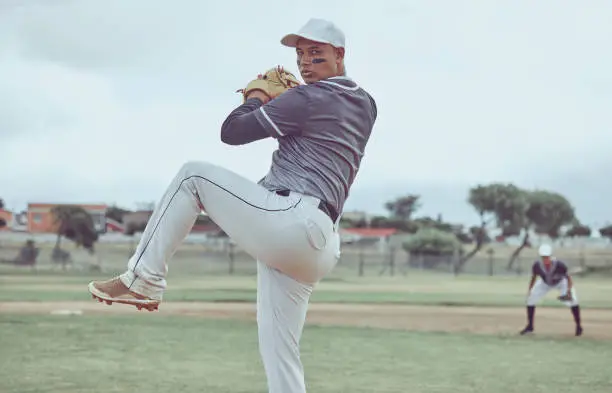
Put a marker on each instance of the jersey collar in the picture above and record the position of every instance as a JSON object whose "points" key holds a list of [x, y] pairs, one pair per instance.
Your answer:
{"points": [[343, 82]]}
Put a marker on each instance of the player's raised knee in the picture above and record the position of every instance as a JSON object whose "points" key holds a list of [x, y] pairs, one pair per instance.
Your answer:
{"points": [[195, 168]]}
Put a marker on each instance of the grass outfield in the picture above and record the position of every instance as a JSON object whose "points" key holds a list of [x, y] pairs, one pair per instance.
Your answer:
{"points": [[213, 348], [127, 353], [417, 288]]}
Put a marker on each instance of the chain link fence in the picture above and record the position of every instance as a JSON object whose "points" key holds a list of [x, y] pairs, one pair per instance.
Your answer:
{"points": [[198, 255]]}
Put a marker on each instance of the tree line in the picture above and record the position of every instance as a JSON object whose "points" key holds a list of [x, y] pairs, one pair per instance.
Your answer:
{"points": [[504, 207]]}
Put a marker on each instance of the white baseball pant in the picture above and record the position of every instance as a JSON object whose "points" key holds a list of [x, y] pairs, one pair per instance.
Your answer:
{"points": [[540, 289], [294, 242]]}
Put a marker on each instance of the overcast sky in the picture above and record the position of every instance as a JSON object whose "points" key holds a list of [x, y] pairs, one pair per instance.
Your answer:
{"points": [[467, 92]]}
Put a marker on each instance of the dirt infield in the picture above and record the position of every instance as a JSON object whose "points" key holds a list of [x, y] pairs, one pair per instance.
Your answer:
{"points": [[480, 320]]}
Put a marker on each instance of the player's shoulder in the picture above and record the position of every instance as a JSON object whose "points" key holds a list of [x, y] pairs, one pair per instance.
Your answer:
{"points": [[342, 90], [561, 264], [337, 85]]}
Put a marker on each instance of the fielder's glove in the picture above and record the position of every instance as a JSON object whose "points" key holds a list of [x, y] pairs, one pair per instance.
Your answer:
{"points": [[273, 83], [565, 298]]}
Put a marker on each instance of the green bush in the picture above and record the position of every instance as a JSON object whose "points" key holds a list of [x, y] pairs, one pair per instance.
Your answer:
{"points": [[606, 232], [578, 231], [133, 227], [432, 241]]}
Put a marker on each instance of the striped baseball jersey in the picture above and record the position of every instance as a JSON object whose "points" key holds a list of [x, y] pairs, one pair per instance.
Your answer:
{"points": [[551, 274]]}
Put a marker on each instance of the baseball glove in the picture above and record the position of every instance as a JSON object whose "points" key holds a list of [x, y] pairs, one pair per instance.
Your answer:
{"points": [[273, 83], [565, 298]]}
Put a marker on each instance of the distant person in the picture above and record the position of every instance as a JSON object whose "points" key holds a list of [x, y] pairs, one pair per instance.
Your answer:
{"points": [[27, 256], [550, 273]]}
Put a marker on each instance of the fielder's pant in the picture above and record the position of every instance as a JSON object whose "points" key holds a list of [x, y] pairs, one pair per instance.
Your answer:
{"points": [[294, 242], [540, 289]]}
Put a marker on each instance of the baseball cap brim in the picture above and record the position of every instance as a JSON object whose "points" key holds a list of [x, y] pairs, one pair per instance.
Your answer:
{"points": [[292, 39]]}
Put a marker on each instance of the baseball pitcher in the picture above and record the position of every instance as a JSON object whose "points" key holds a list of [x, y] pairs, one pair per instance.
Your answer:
{"points": [[288, 221], [550, 273]]}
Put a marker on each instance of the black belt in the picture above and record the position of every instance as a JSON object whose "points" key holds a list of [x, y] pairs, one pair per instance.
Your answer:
{"points": [[323, 206]]}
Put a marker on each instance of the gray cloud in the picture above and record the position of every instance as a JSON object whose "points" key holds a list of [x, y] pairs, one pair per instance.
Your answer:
{"points": [[467, 91]]}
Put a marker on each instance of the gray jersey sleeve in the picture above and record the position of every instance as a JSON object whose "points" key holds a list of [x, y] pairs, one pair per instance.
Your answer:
{"points": [[286, 114], [241, 126]]}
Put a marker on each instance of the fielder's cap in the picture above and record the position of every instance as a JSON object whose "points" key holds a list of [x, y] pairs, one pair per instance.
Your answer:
{"points": [[545, 250], [318, 30]]}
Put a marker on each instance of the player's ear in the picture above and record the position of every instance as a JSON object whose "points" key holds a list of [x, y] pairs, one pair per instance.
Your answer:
{"points": [[340, 53]]}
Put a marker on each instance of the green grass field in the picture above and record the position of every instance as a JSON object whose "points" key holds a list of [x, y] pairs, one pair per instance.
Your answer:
{"points": [[169, 351], [417, 288], [188, 354]]}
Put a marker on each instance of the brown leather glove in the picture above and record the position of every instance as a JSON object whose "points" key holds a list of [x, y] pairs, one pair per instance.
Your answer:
{"points": [[273, 83]]}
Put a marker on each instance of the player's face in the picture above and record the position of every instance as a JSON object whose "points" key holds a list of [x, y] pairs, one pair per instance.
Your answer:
{"points": [[318, 61], [546, 260]]}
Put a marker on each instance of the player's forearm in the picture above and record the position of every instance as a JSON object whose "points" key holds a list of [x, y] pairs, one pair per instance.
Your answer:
{"points": [[241, 126], [531, 283]]}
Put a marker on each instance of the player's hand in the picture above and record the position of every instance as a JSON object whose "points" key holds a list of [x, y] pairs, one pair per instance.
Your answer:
{"points": [[566, 297], [259, 94]]}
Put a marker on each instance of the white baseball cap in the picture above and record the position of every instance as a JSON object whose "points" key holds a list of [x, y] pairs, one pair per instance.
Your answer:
{"points": [[318, 30], [545, 250]]}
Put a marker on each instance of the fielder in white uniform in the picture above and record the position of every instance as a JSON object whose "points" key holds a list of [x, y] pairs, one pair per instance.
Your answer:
{"points": [[549, 273], [288, 221]]}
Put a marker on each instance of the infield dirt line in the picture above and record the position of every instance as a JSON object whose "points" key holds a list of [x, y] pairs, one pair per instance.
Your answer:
{"points": [[485, 320]]}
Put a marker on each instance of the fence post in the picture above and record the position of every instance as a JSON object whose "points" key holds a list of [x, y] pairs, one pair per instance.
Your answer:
{"points": [[406, 266], [392, 260], [491, 254], [455, 261], [231, 255], [361, 260]]}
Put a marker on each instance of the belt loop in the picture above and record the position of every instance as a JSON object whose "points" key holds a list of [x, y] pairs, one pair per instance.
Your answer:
{"points": [[314, 201]]}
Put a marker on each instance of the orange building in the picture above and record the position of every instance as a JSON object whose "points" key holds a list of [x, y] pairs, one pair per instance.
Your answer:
{"points": [[7, 217], [40, 218]]}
